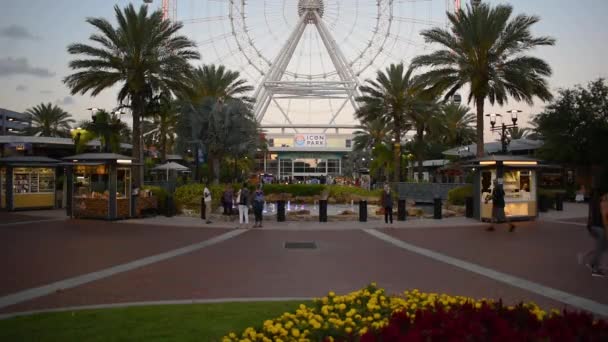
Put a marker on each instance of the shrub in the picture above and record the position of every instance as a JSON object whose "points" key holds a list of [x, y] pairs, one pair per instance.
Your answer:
{"points": [[189, 197], [160, 194], [372, 315], [294, 189], [457, 196]]}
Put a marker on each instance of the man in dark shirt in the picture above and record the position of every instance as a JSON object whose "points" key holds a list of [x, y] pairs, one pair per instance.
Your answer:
{"points": [[498, 207]]}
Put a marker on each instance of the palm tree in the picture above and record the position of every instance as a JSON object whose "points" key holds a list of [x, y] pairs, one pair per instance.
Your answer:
{"points": [[165, 117], [370, 133], [392, 97], [485, 49], [106, 127], [518, 133], [143, 54], [49, 121], [454, 126], [217, 82]]}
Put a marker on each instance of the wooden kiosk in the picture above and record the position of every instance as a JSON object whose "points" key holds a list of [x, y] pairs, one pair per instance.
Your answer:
{"points": [[520, 182], [98, 186], [28, 182]]}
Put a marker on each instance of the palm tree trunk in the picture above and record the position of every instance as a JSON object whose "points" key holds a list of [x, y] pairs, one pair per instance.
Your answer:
{"points": [[216, 169], [137, 111], [397, 154], [163, 143], [479, 102], [419, 154]]}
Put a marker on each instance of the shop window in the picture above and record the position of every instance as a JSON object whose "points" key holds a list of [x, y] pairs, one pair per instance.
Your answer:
{"points": [[33, 180]]}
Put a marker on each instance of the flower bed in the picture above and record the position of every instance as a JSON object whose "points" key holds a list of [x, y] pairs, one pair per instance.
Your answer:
{"points": [[372, 315]]}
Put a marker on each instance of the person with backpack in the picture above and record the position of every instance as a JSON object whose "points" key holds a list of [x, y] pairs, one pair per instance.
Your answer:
{"points": [[243, 201], [597, 224], [387, 204], [498, 207], [227, 201], [258, 207]]}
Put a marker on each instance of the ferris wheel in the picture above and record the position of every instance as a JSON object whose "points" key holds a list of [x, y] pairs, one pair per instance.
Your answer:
{"points": [[306, 58]]}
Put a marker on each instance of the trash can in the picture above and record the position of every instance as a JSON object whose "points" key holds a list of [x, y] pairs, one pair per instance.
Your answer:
{"points": [[323, 211], [203, 209], [468, 201], [559, 202], [362, 211], [281, 211], [437, 208], [401, 210]]}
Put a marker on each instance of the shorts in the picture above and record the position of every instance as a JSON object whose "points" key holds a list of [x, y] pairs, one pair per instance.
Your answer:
{"points": [[498, 213]]}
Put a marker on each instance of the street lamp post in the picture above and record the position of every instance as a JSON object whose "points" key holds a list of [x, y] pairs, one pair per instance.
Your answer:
{"points": [[502, 129]]}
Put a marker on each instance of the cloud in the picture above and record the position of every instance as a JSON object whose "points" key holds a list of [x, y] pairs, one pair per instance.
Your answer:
{"points": [[66, 101], [46, 92], [21, 66], [21, 87], [17, 32]]}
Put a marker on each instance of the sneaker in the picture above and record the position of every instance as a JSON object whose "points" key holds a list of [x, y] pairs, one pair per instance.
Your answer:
{"points": [[511, 227], [490, 229], [598, 273]]}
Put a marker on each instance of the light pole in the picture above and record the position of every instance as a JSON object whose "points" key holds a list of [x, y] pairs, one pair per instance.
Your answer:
{"points": [[502, 129]]}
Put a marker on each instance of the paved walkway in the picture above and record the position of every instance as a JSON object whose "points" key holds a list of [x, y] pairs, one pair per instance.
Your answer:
{"points": [[73, 263]]}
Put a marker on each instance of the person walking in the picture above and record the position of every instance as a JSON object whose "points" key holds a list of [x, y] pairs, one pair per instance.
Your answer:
{"points": [[597, 223], [387, 204], [207, 199], [498, 207], [243, 200], [258, 207], [227, 200]]}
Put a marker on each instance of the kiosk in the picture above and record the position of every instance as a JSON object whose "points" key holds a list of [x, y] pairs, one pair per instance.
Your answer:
{"points": [[27, 182], [99, 186], [520, 184]]}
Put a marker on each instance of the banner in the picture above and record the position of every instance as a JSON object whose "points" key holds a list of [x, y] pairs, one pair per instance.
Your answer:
{"points": [[309, 140]]}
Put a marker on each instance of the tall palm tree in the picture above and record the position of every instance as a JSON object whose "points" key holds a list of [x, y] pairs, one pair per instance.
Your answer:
{"points": [[165, 114], [217, 82], [106, 127], [143, 54], [49, 121], [485, 48], [393, 96], [518, 132], [454, 126], [370, 133]]}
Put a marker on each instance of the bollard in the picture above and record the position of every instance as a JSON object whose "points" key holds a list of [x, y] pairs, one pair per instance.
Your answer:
{"points": [[169, 204], [437, 209], [133, 206], [323, 211], [543, 206], [203, 209], [401, 210], [363, 211], [280, 211], [469, 207], [559, 202]]}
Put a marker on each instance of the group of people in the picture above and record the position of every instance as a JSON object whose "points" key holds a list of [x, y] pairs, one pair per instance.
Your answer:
{"points": [[243, 200]]}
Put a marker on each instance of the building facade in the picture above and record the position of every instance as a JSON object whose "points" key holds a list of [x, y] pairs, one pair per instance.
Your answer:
{"points": [[12, 123]]}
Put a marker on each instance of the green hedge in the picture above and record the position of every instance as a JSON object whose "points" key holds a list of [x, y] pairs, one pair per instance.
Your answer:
{"points": [[294, 189], [160, 194], [458, 195]]}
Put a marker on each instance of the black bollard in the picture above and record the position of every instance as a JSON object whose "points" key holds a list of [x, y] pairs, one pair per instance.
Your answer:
{"points": [[401, 210], [133, 205], [363, 211], [559, 202], [169, 204], [203, 209], [323, 211], [469, 206], [281, 211], [543, 206], [437, 209]]}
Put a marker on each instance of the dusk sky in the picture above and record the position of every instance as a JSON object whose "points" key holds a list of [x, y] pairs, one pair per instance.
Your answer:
{"points": [[34, 35]]}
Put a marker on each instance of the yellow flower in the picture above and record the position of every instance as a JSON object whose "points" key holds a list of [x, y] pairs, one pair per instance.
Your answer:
{"points": [[332, 293], [348, 330]]}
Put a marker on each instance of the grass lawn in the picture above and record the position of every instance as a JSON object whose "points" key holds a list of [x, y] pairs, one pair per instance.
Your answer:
{"points": [[196, 322]]}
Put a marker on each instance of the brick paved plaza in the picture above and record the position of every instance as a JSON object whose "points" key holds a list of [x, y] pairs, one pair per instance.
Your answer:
{"points": [[50, 263]]}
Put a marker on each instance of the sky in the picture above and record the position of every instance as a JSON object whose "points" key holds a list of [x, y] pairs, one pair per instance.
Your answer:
{"points": [[34, 35]]}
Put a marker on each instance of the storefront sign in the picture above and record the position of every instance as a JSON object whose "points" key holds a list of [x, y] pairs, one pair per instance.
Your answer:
{"points": [[309, 140]]}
